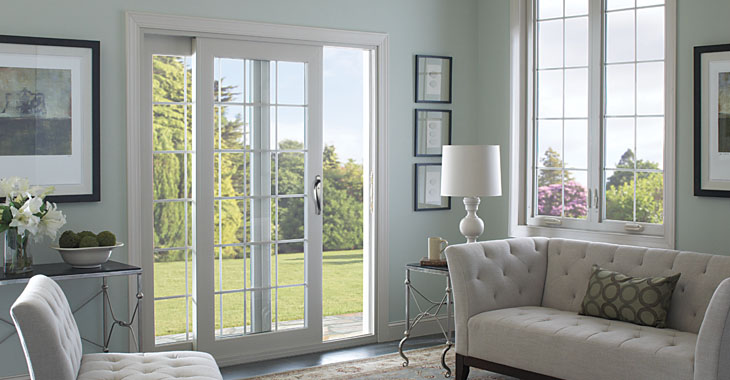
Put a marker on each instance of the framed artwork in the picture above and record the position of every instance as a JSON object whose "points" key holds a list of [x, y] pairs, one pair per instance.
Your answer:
{"points": [[427, 195], [49, 115], [433, 79], [712, 120], [432, 131]]}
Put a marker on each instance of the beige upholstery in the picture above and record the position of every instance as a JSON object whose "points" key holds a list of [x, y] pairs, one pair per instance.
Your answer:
{"points": [[713, 341], [52, 345], [47, 331], [494, 275], [489, 278], [157, 365], [566, 345], [569, 267]]}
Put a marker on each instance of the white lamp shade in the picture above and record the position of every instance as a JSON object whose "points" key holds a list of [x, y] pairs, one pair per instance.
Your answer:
{"points": [[471, 171]]}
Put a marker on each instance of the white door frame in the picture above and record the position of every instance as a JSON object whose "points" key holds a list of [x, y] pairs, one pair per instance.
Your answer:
{"points": [[140, 24]]}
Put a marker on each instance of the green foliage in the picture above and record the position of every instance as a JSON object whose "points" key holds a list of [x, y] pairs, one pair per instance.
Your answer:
{"points": [[106, 239], [627, 162], [69, 239], [84, 234], [649, 192], [552, 159], [649, 195], [88, 241]]}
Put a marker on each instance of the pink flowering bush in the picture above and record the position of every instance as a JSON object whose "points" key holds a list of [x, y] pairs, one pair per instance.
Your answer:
{"points": [[549, 200]]}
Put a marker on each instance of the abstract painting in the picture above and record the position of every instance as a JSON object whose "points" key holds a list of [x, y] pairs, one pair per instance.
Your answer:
{"points": [[723, 112], [35, 111]]}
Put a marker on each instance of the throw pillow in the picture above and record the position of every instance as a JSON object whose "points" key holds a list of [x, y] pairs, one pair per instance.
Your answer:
{"points": [[639, 300]]}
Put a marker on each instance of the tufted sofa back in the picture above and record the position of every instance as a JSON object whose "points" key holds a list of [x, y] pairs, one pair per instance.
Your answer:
{"points": [[47, 331], [569, 266]]}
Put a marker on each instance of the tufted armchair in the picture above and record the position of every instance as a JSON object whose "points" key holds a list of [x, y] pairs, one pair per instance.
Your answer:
{"points": [[52, 345], [517, 301]]}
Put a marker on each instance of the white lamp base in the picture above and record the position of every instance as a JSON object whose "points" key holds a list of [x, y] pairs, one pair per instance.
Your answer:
{"points": [[471, 226]]}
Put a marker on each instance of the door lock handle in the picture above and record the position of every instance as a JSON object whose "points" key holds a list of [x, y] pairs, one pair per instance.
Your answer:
{"points": [[318, 194]]}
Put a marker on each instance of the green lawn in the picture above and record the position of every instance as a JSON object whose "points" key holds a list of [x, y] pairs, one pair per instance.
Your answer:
{"points": [[342, 273]]}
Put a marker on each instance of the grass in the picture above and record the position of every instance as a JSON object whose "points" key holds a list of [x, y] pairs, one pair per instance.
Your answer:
{"points": [[341, 272]]}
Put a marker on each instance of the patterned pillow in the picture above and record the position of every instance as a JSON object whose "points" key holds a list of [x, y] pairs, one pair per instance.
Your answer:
{"points": [[640, 300]]}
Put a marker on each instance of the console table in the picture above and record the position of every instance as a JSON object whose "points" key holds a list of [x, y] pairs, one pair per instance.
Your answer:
{"points": [[430, 312], [63, 271]]}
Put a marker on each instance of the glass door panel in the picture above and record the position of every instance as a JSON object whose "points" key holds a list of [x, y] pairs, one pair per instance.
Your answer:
{"points": [[267, 150]]}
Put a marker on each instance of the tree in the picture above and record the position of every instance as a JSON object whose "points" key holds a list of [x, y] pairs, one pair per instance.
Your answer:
{"points": [[554, 185], [649, 192]]}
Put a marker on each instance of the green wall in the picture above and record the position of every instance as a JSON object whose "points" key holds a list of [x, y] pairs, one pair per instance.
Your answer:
{"points": [[444, 27]]}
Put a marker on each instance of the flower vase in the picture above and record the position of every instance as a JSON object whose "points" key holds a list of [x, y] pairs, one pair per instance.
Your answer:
{"points": [[17, 256]]}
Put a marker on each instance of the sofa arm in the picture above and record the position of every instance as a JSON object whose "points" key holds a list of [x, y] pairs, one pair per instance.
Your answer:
{"points": [[712, 355], [494, 275]]}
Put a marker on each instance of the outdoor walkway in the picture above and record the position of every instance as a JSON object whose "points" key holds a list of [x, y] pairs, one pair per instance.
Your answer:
{"points": [[333, 327]]}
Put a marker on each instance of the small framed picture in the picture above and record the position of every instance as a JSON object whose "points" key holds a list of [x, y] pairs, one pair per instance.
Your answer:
{"points": [[432, 131], [433, 79], [427, 195], [712, 120]]}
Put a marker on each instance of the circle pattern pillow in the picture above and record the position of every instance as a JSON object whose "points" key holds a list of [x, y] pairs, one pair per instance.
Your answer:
{"points": [[639, 300]]}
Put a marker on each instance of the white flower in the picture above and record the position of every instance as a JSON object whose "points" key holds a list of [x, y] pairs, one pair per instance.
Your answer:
{"points": [[17, 188], [51, 222], [24, 220]]}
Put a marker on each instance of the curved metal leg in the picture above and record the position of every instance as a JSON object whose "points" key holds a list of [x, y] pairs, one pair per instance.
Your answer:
{"points": [[400, 350], [443, 360]]}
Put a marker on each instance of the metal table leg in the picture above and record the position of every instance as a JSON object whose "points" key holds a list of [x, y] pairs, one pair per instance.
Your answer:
{"points": [[407, 333], [140, 295], [449, 342], [104, 302], [107, 308]]}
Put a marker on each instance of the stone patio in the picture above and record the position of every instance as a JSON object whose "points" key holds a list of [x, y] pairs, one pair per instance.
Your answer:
{"points": [[333, 327]]}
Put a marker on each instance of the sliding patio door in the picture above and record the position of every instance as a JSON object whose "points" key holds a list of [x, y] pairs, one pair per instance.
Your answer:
{"points": [[257, 189]]}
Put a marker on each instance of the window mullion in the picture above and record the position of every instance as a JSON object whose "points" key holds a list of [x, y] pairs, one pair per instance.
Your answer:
{"points": [[595, 116]]}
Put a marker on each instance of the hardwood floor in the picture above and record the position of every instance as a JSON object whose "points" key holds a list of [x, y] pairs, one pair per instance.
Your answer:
{"points": [[310, 360]]}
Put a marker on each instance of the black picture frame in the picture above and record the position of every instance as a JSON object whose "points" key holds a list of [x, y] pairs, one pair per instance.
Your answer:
{"points": [[418, 134], [421, 60], [445, 202], [89, 119], [701, 151]]}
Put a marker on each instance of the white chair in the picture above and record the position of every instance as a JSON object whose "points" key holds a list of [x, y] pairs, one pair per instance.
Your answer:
{"points": [[52, 345]]}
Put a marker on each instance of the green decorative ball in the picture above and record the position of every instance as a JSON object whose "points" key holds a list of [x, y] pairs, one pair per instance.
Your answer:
{"points": [[88, 241], [69, 239], [106, 239], [84, 234]]}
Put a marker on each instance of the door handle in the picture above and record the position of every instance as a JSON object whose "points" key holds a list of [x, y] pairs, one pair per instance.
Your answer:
{"points": [[318, 194]]}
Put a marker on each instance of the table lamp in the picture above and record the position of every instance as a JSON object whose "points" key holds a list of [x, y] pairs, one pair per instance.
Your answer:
{"points": [[471, 171]]}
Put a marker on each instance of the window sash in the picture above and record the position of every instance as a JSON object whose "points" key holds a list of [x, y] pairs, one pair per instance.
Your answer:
{"points": [[595, 219]]}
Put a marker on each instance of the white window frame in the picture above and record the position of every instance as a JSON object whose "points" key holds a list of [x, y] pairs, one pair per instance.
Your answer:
{"points": [[139, 166], [521, 139]]}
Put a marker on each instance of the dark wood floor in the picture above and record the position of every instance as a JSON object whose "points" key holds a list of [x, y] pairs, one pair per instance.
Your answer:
{"points": [[310, 360]]}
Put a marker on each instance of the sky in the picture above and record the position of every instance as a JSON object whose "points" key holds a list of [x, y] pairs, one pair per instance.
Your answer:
{"points": [[342, 98]]}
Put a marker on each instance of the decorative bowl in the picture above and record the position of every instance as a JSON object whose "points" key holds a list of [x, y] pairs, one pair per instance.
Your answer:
{"points": [[86, 258]]}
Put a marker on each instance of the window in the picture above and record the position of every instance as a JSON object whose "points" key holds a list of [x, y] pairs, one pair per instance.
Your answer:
{"points": [[595, 126]]}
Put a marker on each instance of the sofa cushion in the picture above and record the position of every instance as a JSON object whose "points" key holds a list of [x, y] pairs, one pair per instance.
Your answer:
{"points": [[640, 300], [148, 366], [570, 346]]}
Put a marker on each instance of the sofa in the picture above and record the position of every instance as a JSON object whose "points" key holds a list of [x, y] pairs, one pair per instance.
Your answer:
{"points": [[517, 304]]}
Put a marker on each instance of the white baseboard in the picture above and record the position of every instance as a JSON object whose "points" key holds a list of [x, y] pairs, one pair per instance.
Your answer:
{"points": [[16, 377], [394, 332]]}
